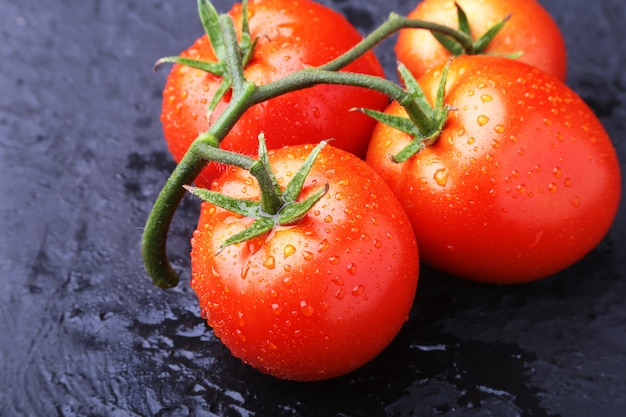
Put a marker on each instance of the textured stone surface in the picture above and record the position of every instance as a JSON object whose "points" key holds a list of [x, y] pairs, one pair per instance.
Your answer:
{"points": [[84, 332]]}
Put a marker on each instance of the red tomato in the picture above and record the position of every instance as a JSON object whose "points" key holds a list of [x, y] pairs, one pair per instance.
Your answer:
{"points": [[522, 182], [530, 30], [317, 299], [292, 35]]}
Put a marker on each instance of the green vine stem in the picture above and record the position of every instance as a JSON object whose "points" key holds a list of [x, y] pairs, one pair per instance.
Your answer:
{"points": [[205, 148]]}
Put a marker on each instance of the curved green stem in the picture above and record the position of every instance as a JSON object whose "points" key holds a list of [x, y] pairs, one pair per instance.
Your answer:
{"points": [[205, 148], [394, 23], [154, 243], [313, 76]]}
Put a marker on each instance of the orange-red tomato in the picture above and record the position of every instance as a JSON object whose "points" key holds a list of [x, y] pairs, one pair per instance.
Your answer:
{"points": [[530, 30], [319, 298], [292, 35], [522, 182]]}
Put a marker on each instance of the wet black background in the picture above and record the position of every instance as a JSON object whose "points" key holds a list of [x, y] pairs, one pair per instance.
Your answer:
{"points": [[83, 332]]}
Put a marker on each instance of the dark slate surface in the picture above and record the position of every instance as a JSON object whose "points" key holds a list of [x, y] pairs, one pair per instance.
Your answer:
{"points": [[83, 332]]}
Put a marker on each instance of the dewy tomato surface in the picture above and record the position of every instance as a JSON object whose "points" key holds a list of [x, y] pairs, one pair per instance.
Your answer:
{"points": [[522, 182], [321, 297], [530, 32], [292, 35]]}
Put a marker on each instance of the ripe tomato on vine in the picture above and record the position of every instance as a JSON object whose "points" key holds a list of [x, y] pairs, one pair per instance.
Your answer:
{"points": [[521, 182], [290, 36]]}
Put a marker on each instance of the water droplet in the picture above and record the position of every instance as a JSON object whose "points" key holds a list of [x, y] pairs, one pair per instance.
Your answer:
{"points": [[289, 250], [552, 188], [495, 144], [276, 309], [567, 182], [323, 246], [334, 260], [499, 128], [328, 219], [482, 120], [486, 98], [471, 140], [245, 269], [240, 319], [340, 294], [358, 290], [351, 268], [270, 262], [441, 177], [471, 93], [450, 248], [306, 308], [378, 244], [287, 281], [521, 188], [338, 281], [557, 172], [576, 202], [271, 346], [240, 335], [307, 255], [339, 196]]}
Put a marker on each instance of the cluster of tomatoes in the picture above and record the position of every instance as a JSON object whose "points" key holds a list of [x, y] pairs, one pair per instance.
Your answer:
{"points": [[520, 182]]}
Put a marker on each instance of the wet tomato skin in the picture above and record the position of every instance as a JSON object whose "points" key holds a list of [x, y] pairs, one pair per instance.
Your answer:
{"points": [[530, 30], [523, 181], [317, 299], [292, 35]]}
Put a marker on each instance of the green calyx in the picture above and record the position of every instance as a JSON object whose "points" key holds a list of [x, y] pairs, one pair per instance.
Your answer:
{"points": [[276, 207], [426, 131], [210, 19], [478, 45]]}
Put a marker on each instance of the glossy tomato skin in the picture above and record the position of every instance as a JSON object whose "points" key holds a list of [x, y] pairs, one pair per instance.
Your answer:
{"points": [[322, 297], [292, 35], [522, 182], [530, 29]]}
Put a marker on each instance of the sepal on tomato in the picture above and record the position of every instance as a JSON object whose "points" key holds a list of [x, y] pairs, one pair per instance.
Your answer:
{"points": [[436, 115], [276, 207], [478, 45]]}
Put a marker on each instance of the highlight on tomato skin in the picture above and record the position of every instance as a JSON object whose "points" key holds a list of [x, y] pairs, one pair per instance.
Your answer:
{"points": [[287, 42], [530, 30], [317, 299], [523, 181]]}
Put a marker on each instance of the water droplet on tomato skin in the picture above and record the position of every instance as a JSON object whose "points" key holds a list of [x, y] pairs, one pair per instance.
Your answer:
{"points": [[334, 260], [245, 269], [482, 120], [288, 250], [441, 177], [358, 290], [576, 202], [306, 308], [340, 294], [240, 335], [351, 268], [241, 321], [323, 246], [270, 262], [276, 309]]}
